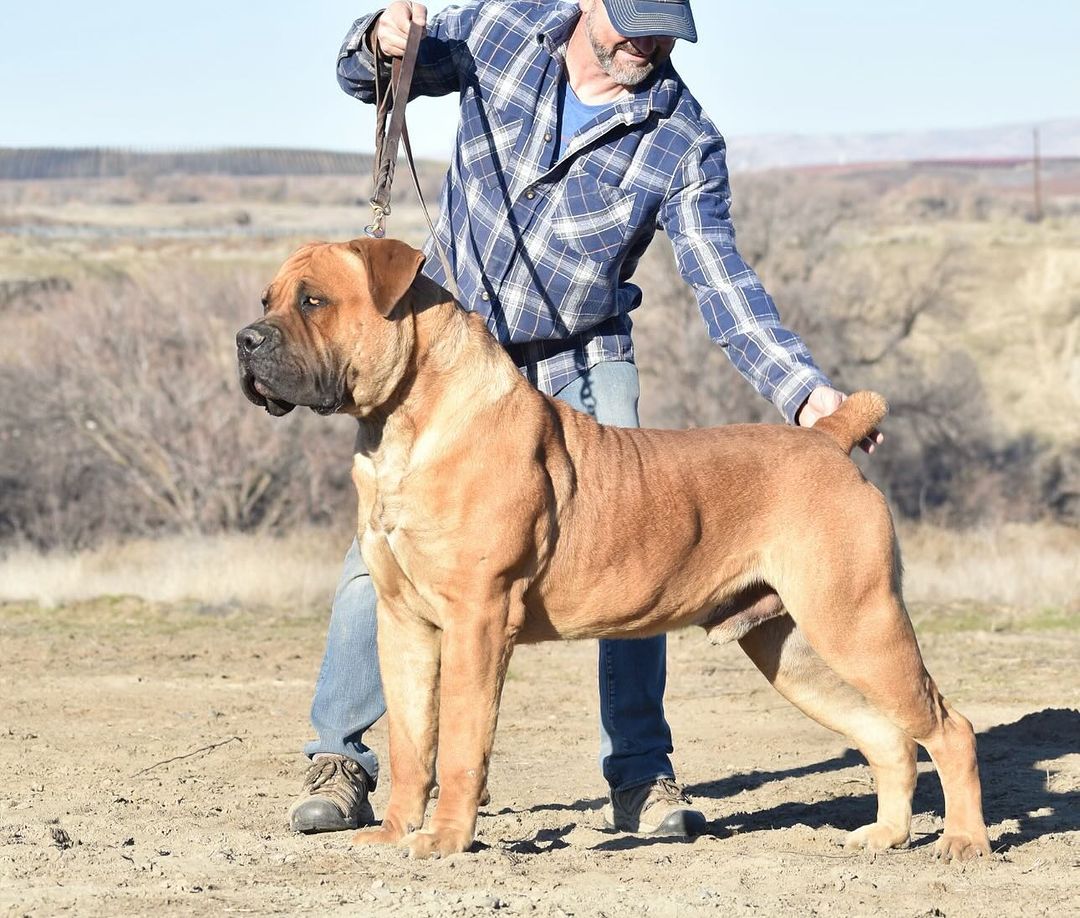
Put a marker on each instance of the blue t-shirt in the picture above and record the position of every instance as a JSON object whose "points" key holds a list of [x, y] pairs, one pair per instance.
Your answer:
{"points": [[573, 115]]}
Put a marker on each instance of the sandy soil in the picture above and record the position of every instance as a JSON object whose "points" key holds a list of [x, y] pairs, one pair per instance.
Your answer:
{"points": [[96, 697]]}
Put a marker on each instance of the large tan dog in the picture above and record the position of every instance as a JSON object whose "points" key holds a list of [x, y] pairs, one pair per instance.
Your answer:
{"points": [[491, 515]]}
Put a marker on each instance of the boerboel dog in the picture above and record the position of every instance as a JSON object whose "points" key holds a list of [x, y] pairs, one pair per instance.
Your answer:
{"points": [[491, 515]]}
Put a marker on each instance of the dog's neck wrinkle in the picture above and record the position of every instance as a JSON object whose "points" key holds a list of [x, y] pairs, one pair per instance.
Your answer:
{"points": [[441, 335], [449, 342], [418, 307]]}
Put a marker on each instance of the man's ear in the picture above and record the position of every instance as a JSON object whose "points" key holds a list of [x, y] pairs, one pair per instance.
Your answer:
{"points": [[392, 267]]}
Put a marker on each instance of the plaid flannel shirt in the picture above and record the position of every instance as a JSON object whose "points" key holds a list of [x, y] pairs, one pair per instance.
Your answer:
{"points": [[544, 247]]}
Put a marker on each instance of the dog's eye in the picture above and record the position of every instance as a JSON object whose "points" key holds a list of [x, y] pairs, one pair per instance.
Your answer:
{"points": [[311, 302], [265, 305]]}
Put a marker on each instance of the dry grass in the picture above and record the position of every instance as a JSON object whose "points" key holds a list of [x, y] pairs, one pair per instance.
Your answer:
{"points": [[297, 570], [1024, 566]]}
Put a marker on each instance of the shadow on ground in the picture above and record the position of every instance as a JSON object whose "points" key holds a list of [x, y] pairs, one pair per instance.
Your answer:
{"points": [[1016, 790]]}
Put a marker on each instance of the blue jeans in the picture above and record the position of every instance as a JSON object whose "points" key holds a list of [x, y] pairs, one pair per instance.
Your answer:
{"points": [[635, 740]]}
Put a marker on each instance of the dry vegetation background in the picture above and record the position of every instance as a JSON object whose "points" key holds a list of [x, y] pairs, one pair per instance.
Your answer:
{"points": [[120, 294], [168, 553]]}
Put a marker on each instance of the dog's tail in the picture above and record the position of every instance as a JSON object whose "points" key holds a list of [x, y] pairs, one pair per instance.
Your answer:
{"points": [[852, 422]]}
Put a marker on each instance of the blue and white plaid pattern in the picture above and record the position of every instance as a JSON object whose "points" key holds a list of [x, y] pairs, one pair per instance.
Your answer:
{"points": [[544, 249]]}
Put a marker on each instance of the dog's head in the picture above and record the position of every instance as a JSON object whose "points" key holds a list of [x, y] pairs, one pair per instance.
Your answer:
{"points": [[332, 337]]}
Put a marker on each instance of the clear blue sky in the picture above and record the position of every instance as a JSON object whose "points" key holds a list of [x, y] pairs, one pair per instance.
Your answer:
{"points": [[196, 74]]}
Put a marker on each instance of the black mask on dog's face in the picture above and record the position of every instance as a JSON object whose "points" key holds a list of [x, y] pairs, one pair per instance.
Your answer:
{"points": [[328, 339]]}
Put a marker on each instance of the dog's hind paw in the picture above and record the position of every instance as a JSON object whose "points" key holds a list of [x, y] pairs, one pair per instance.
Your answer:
{"points": [[962, 846], [877, 836]]}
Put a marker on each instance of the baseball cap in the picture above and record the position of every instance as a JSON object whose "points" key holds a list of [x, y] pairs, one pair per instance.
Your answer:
{"points": [[637, 18]]}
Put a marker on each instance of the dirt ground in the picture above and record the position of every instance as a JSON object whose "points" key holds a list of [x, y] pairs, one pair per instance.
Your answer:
{"points": [[95, 820]]}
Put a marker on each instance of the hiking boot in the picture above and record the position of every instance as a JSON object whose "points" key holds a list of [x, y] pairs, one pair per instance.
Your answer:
{"points": [[335, 796], [657, 808]]}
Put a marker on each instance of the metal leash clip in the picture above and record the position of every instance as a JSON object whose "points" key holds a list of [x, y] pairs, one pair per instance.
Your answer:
{"points": [[377, 228]]}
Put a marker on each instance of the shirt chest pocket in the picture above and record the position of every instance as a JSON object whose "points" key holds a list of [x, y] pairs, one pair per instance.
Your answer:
{"points": [[592, 217], [488, 147]]}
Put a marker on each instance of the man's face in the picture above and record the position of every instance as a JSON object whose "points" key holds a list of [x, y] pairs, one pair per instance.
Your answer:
{"points": [[628, 61]]}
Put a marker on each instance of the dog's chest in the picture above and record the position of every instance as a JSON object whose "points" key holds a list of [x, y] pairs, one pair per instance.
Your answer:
{"points": [[397, 567], [380, 476], [390, 531]]}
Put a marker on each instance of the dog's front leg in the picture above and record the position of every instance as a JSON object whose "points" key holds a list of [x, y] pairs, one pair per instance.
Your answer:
{"points": [[409, 663], [476, 650]]}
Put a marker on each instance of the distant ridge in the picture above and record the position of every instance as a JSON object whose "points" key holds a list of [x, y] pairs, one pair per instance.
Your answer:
{"points": [[99, 163], [1058, 139]]}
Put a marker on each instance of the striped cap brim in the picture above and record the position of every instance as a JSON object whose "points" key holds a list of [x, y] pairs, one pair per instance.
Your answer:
{"points": [[636, 18]]}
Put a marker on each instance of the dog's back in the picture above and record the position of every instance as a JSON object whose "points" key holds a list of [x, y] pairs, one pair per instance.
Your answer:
{"points": [[674, 523]]}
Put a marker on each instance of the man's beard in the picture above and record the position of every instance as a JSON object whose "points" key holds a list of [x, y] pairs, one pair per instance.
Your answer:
{"points": [[623, 74]]}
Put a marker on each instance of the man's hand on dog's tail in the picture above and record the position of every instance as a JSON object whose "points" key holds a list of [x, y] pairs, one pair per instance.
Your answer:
{"points": [[853, 423], [392, 31]]}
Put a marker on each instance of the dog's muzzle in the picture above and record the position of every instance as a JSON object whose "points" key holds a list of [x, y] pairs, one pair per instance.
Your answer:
{"points": [[255, 346]]}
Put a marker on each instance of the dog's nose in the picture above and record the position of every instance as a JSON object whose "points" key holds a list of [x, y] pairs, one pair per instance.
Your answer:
{"points": [[249, 339]]}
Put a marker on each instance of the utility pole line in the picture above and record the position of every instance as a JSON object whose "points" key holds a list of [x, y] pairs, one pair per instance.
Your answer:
{"points": [[1037, 168]]}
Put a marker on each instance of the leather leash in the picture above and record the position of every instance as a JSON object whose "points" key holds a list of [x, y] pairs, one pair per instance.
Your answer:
{"points": [[391, 99]]}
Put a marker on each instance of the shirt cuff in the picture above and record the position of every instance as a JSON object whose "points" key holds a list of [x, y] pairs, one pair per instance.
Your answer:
{"points": [[356, 47], [795, 390]]}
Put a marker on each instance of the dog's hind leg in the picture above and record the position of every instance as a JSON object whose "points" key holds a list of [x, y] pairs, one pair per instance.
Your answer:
{"points": [[870, 644], [782, 653]]}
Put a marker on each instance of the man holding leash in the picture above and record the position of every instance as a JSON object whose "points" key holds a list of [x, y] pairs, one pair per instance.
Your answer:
{"points": [[577, 139]]}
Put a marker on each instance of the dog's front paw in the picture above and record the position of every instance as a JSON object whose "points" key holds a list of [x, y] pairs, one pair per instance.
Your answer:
{"points": [[433, 842], [962, 846], [380, 835], [877, 836]]}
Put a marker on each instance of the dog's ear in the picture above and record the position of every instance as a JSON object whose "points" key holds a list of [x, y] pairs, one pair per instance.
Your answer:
{"points": [[392, 267]]}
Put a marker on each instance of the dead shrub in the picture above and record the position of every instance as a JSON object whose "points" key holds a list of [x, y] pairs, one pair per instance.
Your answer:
{"points": [[123, 417], [865, 321]]}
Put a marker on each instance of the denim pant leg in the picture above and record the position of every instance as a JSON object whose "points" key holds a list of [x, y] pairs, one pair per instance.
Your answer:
{"points": [[348, 694], [635, 740]]}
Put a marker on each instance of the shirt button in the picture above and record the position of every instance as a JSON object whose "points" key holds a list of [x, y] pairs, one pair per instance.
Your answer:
{"points": [[547, 138], [530, 194], [484, 296]]}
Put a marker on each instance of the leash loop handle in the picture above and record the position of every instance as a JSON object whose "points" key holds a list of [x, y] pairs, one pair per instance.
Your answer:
{"points": [[390, 101], [390, 106]]}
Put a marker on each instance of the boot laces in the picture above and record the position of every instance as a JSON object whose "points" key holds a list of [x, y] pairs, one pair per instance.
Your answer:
{"points": [[669, 789], [336, 777]]}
